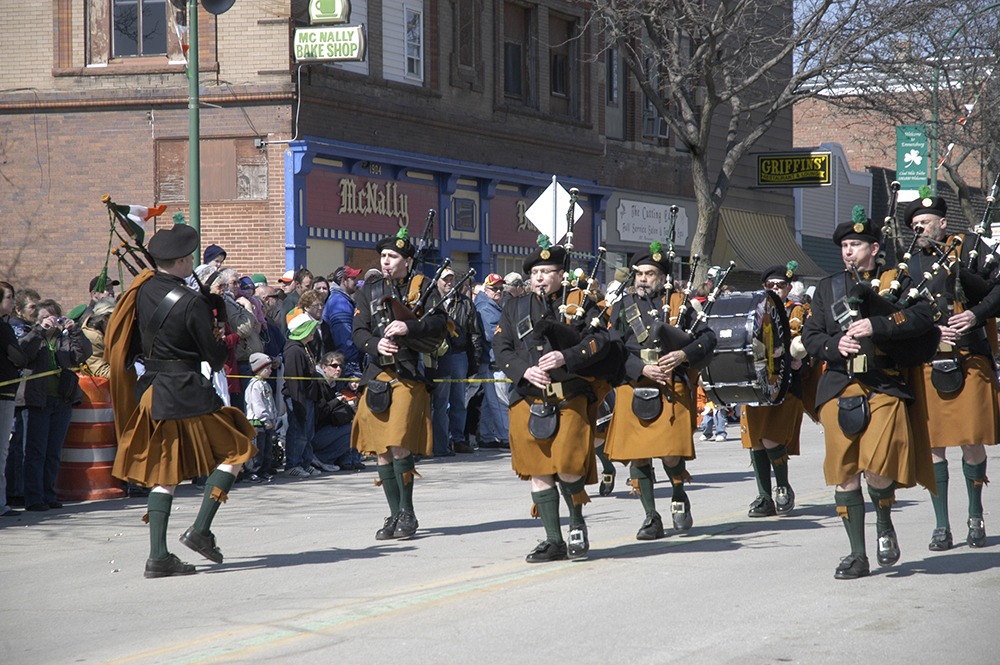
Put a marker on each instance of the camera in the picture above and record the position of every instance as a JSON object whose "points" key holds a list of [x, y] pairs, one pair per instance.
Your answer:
{"points": [[60, 321]]}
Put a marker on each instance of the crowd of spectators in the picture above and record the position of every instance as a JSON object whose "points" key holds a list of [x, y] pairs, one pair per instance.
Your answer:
{"points": [[292, 366]]}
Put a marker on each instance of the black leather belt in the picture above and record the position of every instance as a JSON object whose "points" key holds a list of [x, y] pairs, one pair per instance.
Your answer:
{"points": [[157, 365]]}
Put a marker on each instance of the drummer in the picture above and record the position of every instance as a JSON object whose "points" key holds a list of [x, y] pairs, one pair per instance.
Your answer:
{"points": [[771, 432], [655, 410]]}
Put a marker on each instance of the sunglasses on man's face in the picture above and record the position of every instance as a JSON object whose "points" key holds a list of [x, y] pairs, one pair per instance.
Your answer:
{"points": [[335, 365]]}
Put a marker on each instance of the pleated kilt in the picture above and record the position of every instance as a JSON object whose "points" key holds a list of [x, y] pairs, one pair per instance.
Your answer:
{"points": [[168, 452], [570, 451], [886, 447], [967, 417], [780, 423], [407, 422], [671, 434]]}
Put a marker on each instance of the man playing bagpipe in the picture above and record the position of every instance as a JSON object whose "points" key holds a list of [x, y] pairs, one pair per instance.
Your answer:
{"points": [[655, 413], [394, 416], [557, 370], [862, 395], [960, 380], [771, 432]]}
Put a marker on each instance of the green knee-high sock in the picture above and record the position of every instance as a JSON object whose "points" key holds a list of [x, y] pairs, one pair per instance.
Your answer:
{"points": [[940, 501], [761, 471], [882, 500], [606, 465], [216, 492], [676, 474], [576, 497], [547, 505], [975, 478], [387, 477], [404, 478], [851, 507], [779, 461], [642, 482], [158, 509]]}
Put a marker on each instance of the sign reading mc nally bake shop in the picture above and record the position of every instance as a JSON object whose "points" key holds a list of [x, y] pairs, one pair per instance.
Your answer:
{"points": [[329, 42], [793, 169]]}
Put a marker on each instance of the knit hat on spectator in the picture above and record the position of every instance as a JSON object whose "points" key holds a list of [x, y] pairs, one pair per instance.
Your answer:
{"points": [[345, 272], [258, 279], [301, 326], [493, 281], [213, 252], [288, 277], [259, 361]]}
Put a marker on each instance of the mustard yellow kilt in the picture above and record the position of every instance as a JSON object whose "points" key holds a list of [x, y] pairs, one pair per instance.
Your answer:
{"points": [[886, 447], [671, 434], [779, 423], [570, 451], [168, 452], [967, 417], [406, 423]]}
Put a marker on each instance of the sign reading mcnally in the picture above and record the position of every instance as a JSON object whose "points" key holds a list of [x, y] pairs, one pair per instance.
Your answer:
{"points": [[795, 169], [343, 42]]}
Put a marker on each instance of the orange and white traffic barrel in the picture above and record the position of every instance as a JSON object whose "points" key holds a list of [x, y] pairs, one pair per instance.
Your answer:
{"points": [[89, 451]]}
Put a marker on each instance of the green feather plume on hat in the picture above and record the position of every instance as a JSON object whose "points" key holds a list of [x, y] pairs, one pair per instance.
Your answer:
{"points": [[858, 215], [924, 192], [655, 247], [791, 266], [543, 241], [403, 233], [179, 218]]}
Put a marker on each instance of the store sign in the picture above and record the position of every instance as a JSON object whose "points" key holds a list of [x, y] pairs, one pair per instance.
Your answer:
{"points": [[337, 43], [643, 222], [911, 156], [796, 169], [378, 198], [329, 11]]}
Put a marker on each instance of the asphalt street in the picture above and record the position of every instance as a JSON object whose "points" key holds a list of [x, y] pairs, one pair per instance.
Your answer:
{"points": [[305, 581]]}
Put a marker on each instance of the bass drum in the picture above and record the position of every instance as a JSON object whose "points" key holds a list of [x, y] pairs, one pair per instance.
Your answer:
{"points": [[752, 362]]}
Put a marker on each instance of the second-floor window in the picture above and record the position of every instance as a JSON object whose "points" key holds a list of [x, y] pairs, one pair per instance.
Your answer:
{"points": [[139, 27], [414, 25], [516, 55]]}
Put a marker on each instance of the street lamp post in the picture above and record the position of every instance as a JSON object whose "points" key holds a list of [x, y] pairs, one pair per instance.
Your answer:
{"points": [[934, 94]]}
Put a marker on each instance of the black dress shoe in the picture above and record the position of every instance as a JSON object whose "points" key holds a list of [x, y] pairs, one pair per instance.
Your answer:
{"points": [[607, 483], [762, 507], [888, 548], [202, 544], [940, 540], [547, 551], [652, 527], [579, 545], [38, 507], [852, 567], [55, 504], [977, 532], [406, 525], [680, 514], [388, 529], [167, 567], [463, 447], [784, 500]]}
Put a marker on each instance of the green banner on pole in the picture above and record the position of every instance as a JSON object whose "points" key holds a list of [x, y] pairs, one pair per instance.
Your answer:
{"points": [[911, 156]]}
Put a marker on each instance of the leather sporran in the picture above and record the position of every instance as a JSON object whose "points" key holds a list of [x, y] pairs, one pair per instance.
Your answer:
{"points": [[947, 375], [378, 396], [853, 414], [647, 403], [543, 422]]}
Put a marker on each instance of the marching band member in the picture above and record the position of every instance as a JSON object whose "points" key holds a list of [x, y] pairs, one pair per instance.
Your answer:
{"points": [[862, 395], [656, 409], [394, 418], [960, 379]]}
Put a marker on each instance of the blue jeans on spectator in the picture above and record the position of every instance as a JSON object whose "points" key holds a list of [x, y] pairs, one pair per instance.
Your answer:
{"points": [[298, 440], [6, 421], [332, 444], [47, 427], [448, 402], [264, 459], [15, 456], [494, 421], [714, 424]]}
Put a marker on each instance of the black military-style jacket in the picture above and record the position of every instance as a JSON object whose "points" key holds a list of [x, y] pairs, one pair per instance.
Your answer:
{"points": [[366, 333], [972, 288], [515, 354], [698, 350], [188, 334], [821, 335]]}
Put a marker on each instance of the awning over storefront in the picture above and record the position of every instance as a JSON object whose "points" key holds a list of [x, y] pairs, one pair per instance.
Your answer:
{"points": [[757, 241]]}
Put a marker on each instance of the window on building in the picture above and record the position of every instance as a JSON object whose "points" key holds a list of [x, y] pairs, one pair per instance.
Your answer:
{"points": [[466, 62], [139, 28], [516, 54], [563, 72], [231, 170], [654, 125], [414, 26]]}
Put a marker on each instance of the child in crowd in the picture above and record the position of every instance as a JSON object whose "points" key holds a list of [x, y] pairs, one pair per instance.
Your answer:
{"points": [[713, 422], [263, 415]]}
